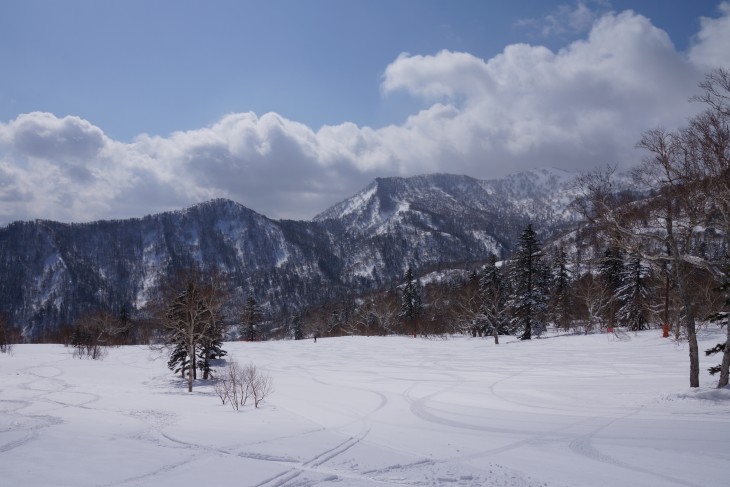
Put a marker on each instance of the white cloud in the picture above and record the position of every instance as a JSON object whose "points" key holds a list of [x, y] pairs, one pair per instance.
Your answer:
{"points": [[582, 106], [567, 18], [710, 48]]}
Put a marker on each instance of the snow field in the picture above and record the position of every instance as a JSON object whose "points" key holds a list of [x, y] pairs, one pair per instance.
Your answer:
{"points": [[359, 411]]}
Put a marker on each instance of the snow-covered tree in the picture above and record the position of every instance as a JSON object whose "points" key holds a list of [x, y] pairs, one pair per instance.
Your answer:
{"points": [[561, 296], [411, 306], [493, 300], [610, 269], [634, 294], [528, 297]]}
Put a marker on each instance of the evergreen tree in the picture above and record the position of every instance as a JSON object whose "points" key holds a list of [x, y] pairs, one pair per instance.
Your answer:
{"points": [[561, 297], [210, 348], [297, 327], [192, 316], [634, 293], [529, 288], [492, 296], [250, 319], [411, 306], [610, 270], [185, 332], [179, 359]]}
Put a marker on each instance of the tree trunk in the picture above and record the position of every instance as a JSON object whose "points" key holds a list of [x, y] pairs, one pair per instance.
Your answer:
{"points": [[191, 353], [496, 335], [694, 355]]}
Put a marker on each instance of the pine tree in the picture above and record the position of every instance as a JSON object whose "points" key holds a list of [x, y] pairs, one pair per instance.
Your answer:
{"points": [[561, 297], [634, 294], [610, 269], [297, 327], [250, 319], [210, 348], [492, 296], [179, 359], [529, 288], [192, 313], [411, 306]]}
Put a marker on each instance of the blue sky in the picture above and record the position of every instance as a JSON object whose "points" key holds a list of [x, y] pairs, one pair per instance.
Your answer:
{"points": [[116, 109]]}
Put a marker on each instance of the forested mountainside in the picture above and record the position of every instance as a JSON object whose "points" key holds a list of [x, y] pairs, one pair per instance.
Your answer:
{"points": [[53, 272]]}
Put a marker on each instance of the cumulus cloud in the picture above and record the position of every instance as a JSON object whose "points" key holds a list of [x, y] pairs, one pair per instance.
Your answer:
{"points": [[528, 106], [710, 47]]}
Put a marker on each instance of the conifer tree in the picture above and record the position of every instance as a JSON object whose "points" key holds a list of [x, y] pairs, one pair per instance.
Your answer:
{"points": [[610, 269], [297, 327], [178, 361], [634, 294], [492, 295], [250, 319], [561, 298], [411, 306], [191, 314], [528, 297], [211, 348]]}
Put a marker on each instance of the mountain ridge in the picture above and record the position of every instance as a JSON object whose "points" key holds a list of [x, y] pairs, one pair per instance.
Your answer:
{"points": [[55, 271]]}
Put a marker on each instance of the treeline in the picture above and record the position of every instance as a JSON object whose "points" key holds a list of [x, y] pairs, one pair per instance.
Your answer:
{"points": [[536, 289]]}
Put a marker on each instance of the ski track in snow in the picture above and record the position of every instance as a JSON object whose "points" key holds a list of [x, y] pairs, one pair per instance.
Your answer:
{"points": [[44, 382], [418, 413]]}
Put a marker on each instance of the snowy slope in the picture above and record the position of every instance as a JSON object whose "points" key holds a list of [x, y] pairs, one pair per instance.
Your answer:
{"points": [[431, 220], [540, 195], [569, 411]]}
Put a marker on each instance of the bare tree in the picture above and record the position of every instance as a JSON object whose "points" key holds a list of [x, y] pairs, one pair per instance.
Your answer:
{"points": [[594, 297], [378, 314], [236, 385], [468, 315], [94, 332], [258, 383], [232, 385]]}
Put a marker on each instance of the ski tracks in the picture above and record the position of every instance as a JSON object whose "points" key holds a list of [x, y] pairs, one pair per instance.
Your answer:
{"points": [[314, 462], [583, 446], [45, 381]]}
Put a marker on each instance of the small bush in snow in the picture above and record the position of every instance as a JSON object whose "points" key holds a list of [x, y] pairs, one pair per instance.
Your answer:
{"points": [[236, 385]]}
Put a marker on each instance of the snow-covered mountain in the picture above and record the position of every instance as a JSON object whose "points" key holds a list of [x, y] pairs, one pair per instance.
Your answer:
{"points": [[539, 195], [53, 272]]}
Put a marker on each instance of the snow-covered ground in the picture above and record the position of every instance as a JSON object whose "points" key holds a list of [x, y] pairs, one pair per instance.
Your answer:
{"points": [[356, 411]]}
